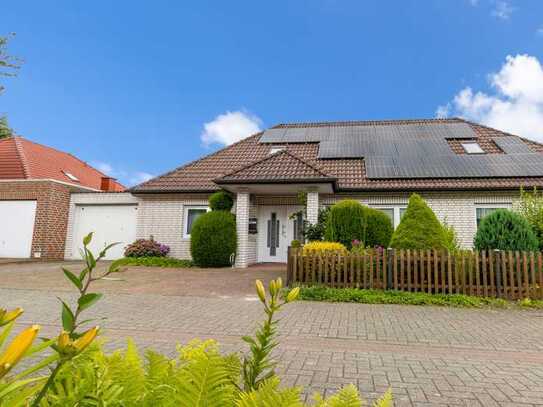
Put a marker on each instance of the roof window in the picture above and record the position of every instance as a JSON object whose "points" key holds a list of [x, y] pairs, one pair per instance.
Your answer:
{"points": [[276, 149], [472, 148], [71, 176]]}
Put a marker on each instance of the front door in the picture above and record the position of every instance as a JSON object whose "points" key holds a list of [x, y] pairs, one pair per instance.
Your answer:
{"points": [[275, 232]]}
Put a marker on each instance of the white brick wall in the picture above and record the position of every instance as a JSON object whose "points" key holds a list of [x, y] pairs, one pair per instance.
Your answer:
{"points": [[91, 198], [458, 208], [242, 227], [161, 216], [312, 207]]}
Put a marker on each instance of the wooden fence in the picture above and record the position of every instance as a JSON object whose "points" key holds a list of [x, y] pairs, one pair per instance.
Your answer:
{"points": [[503, 274]]}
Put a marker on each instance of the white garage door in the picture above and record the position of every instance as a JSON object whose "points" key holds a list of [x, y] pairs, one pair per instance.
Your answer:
{"points": [[16, 228], [110, 223]]}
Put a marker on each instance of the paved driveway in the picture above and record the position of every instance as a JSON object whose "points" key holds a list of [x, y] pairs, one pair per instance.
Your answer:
{"points": [[430, 356]]}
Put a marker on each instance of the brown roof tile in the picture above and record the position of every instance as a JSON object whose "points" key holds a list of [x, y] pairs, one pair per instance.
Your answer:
{"points": [[199, 175]]}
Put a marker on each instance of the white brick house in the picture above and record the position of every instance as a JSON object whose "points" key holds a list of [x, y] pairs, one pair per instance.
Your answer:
{"points": [[462, 169]]}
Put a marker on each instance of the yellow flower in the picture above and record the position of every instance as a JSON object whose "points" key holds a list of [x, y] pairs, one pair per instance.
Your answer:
{"points": [[293, 294], [16, 350], [260, 291], [279, 283], [86, 339], [273, 288], [7, 316]]}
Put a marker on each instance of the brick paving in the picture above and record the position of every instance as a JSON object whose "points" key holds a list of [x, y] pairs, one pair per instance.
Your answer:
{"points": [[429, 356]]}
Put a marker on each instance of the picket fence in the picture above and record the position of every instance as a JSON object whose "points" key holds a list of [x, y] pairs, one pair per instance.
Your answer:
{"points": [[503, 274]]}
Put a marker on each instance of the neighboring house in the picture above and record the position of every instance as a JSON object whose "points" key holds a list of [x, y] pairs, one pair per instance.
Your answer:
{"points": [[463, 170], [36, 184]]}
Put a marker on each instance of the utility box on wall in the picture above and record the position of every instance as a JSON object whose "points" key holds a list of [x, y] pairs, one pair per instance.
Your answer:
{"points": [[253, 230]]}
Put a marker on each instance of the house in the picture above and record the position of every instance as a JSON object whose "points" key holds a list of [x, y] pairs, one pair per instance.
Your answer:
{"points": [[464, 170], [36, 185]]}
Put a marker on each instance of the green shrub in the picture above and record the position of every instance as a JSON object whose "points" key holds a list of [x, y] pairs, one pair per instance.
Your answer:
{"points": [[320, 293], [316, 231], [505, 230], [155, 262], [378, 228], [221, 201], [295, 244], [531, 208], [345, 223], [419, 228], [450, 237], [213, 239]]}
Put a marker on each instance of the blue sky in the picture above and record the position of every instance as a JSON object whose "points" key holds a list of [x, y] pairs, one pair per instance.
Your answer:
{"points": [[131, 85]]}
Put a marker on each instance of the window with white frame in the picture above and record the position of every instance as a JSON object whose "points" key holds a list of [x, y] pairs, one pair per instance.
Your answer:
{"points": [[395, 213], [191, 213], [472, 148], [481, 210]]}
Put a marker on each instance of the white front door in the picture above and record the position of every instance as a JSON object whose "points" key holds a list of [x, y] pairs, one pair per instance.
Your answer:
{"points": [[110, 224], [16, 228], [275, 232]]}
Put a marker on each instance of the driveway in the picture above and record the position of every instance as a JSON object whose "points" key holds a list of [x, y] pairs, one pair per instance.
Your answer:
{"points": [[429, 356]]}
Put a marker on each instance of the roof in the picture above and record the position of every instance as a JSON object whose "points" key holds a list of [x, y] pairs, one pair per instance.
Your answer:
{"points": [[281, 166], [250, 159], [23, 159]]}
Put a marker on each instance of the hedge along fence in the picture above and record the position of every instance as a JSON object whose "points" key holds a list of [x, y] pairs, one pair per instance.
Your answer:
{"points": [[503, 274]]}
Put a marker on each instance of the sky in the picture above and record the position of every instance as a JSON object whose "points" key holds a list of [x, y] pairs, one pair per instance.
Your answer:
{"points": [[138, 88]]}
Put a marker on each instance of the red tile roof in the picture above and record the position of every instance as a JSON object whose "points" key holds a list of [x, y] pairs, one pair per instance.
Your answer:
{"points": [[24, 159], [199, 175]]}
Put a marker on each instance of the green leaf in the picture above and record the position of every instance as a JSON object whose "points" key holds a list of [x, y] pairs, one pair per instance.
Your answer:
{"points": [[109, 246], [87, 239], [68, 318], [5, 332], [88, 300], [73, 278]]}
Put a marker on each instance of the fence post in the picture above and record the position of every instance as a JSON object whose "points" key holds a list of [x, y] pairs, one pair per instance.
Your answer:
{"points": [[289, 266], [498, 274], [391, 254]]}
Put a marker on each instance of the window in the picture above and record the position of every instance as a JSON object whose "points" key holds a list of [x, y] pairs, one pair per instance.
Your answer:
{"points": [[472, 148], [276, 149], [191, 214], [482, 211], [71, 176], [395, 213]]}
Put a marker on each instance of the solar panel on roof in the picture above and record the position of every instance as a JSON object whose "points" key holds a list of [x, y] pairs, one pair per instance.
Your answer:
{"points": [[512, 145]]}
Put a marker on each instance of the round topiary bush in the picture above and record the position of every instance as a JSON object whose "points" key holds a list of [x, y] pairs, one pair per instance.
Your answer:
{"points": [[221, 201], [419, 228], [378, 228], [345, 223], [213, 239], [505, 230]]}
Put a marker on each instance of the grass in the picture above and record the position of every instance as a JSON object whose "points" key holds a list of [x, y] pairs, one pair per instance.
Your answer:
{"points": [[169, 262], [320, 293]]}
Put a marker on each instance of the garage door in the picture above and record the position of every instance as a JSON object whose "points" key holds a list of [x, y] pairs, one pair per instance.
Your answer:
{"points": [[110, 223], [16, 228]]}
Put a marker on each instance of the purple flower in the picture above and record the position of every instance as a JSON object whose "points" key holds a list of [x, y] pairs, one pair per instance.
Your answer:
{"points": [[355, 242]]}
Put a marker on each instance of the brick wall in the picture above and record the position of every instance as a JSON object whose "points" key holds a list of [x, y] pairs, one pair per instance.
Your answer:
{"points": [[52, 202]]}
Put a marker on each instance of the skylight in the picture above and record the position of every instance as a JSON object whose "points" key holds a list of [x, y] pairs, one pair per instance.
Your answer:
{"points": [[71, 176], [472, 148], [276, 149]]}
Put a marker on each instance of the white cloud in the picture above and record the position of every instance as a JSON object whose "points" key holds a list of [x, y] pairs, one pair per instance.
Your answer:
{"points": [[516, 103], [230, 127], [128, 178], [502, 10], [474, 3], [539, 31]]}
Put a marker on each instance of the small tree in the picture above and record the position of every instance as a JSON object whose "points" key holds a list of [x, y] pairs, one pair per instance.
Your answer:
{"points": [[8, 63], [419, 227], [221, 201], [345, 223], [213, 239], [378, 228], [531, 208], [316, 232], [505, 230], [5, 130]]}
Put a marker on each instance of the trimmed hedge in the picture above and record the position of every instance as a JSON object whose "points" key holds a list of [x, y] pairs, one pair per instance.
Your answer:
{"points": [[168, 262], [221, 201], [345, 223], [213, 239], [378, 228], [419, 228], [505, 230]]}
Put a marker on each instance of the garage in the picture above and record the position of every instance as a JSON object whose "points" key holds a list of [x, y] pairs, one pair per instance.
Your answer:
{"points": [[16, 228], [110, 223]]}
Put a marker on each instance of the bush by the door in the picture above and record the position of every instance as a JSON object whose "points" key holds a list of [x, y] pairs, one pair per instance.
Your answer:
{"points": [[213, 239], [345, 223], [221, 201], [419, 228], [505, 230]]}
